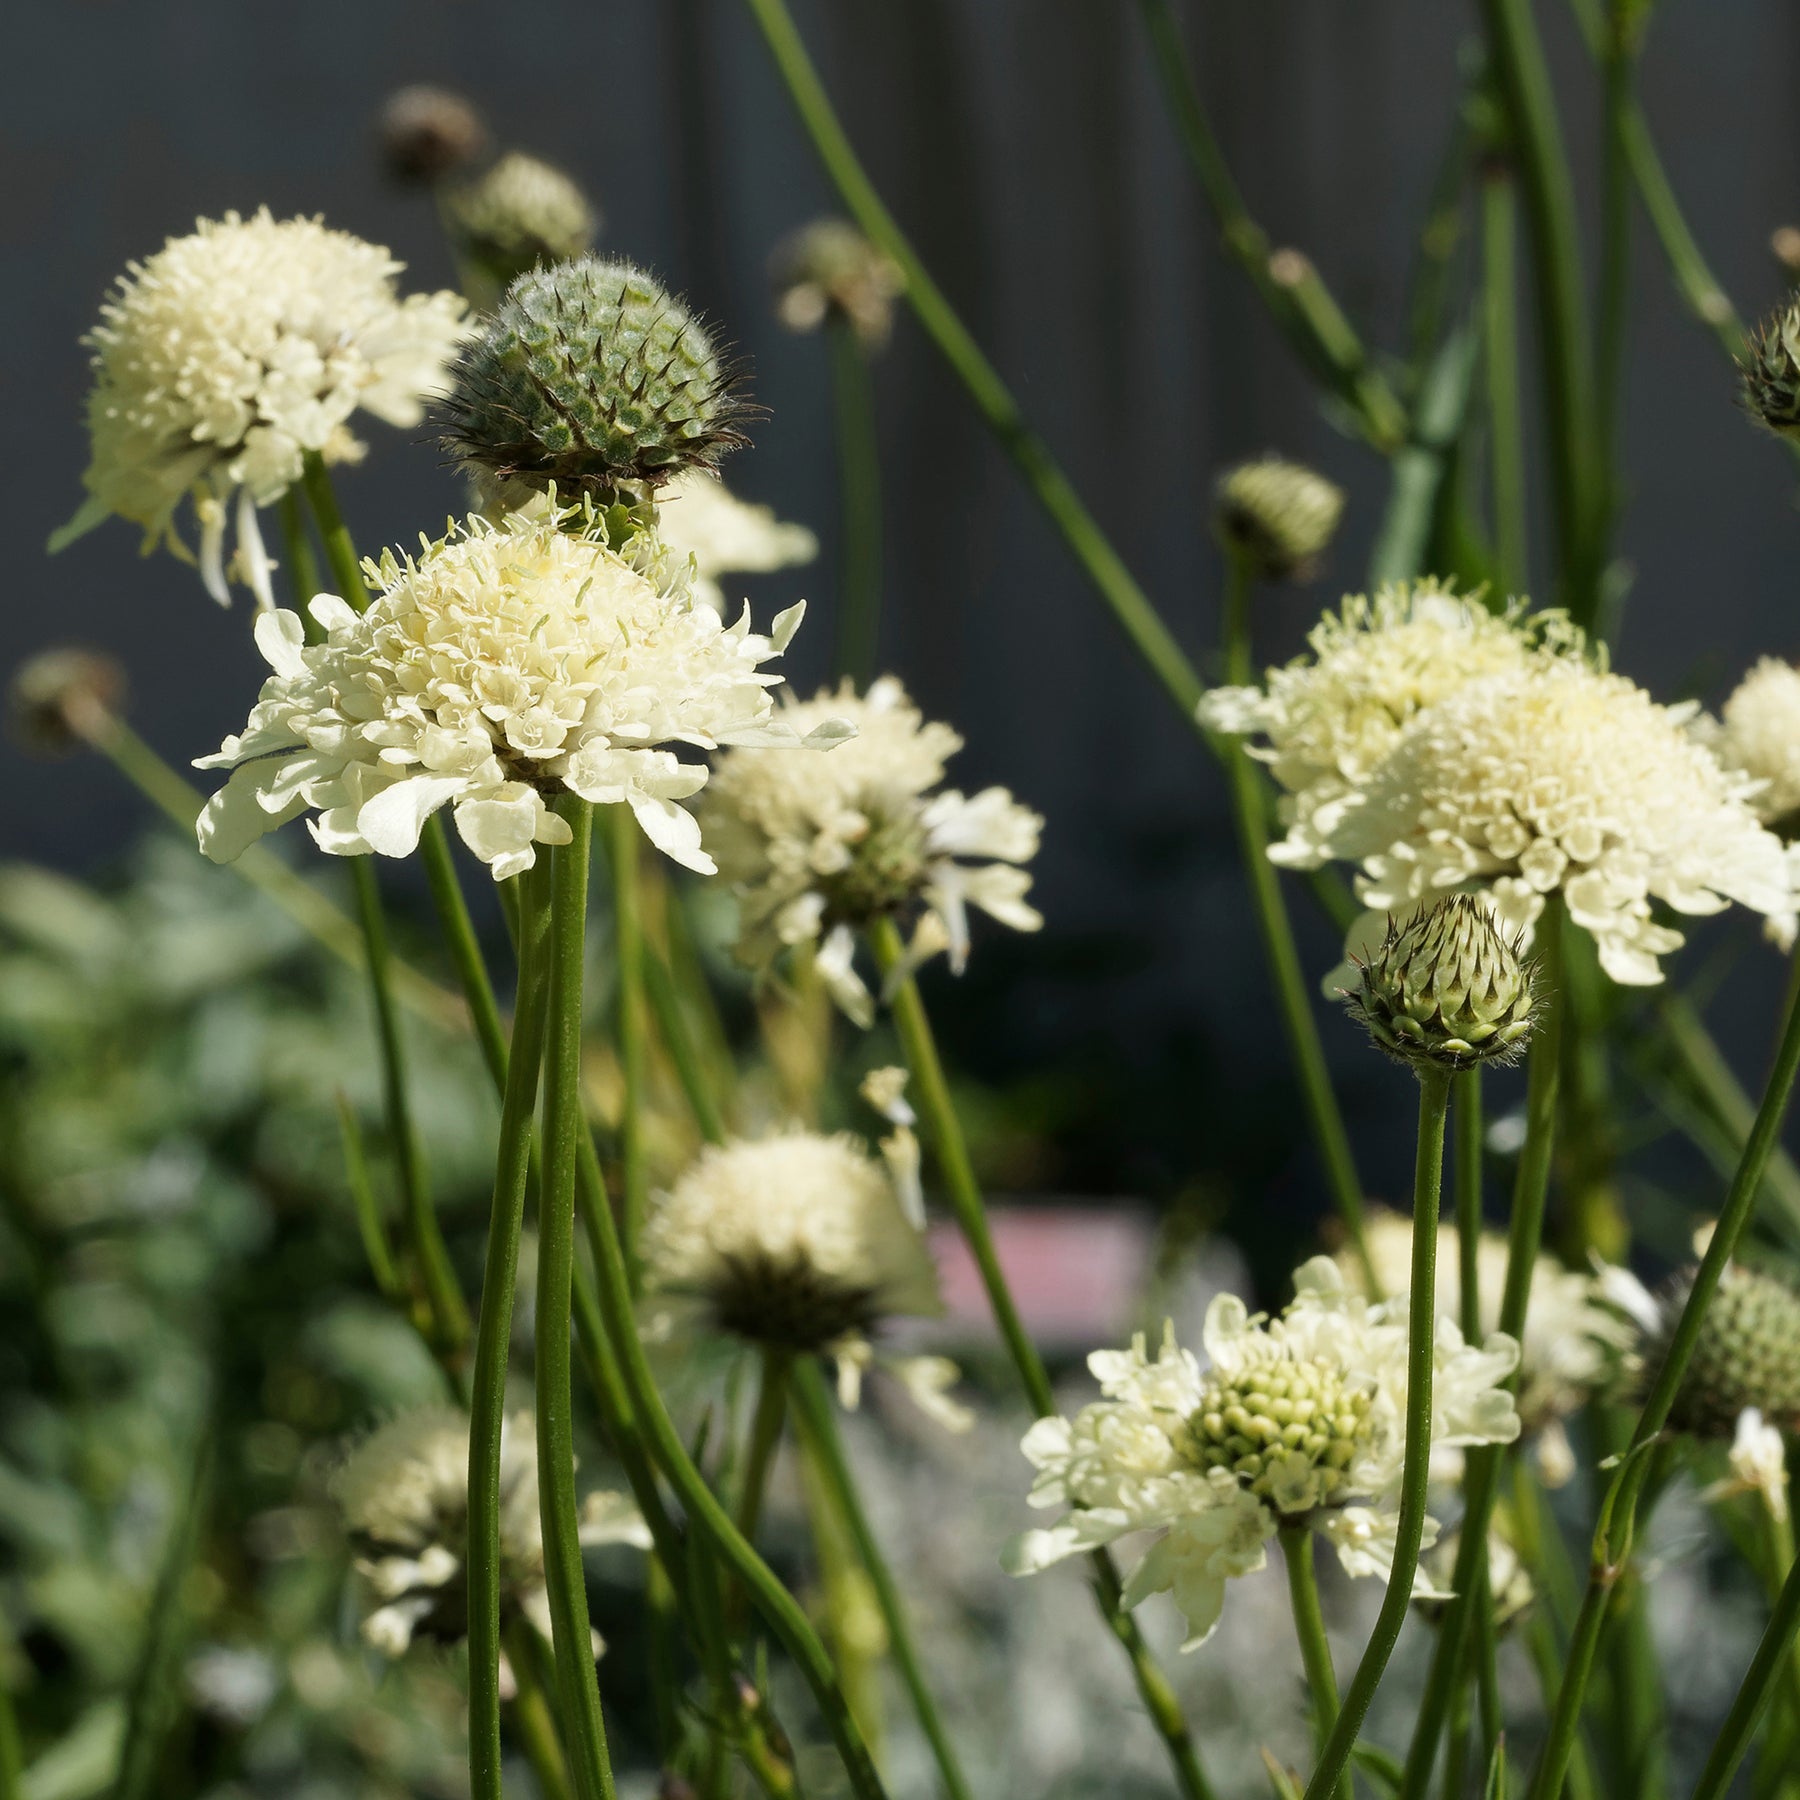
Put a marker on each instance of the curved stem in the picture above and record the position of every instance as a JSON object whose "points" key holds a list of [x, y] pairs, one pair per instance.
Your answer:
{"points": [[493, 1337], [628, 961], [859, 499], [1315, 1647], [563, 1574], [1773, 1654], [1421, 1343], [1613, 1535], [818, 1426], [943, 1130]]}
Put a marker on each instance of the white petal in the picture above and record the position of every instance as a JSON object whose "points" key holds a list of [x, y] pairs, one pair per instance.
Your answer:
{"points": [[674, 831], [280, 636], [393, 819]]}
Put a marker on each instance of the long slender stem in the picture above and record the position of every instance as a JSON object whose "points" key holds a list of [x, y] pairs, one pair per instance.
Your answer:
{"points": [[1618, 69], [1315, 1646], [678, 1039], [1421, 1342], [1773, 1654], [368, 1213], [1327, 1122], [334, 534], [765, 1439], [493, 1337], [1613, 1535], [812, 1409], [1042, 474], [943, 1131], [532, 1721], [464, 947], [633, 1039], [859, 501], [563, 1127], [1500, 341]]}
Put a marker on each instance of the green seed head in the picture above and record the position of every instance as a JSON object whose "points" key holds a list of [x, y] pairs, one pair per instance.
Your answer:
{"points": [[1448, 989], [516, 215], [1748, 1354], [1771, 369], [591, 375], [1278, 515], [1257, 1423]]}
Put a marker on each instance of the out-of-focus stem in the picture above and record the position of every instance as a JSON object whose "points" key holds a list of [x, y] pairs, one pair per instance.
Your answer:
{"points": [[1315, 1647], [628, 974], [533, 1723], [1773, 1654], [859, 500], [1500, 343], [765, 1439], [362, 1198]]}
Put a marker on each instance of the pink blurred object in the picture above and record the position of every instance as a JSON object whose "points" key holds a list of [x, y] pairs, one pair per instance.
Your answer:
{"points": [[1077, 1273]]}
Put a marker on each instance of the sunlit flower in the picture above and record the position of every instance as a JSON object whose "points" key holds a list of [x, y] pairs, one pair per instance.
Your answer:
{"points": [[820, 848], [506, 662], [699, 516], [404, 1496], [799, 1242], [1561, 777], [225, 357], [1758, 1461], [1324, 722], [1297, 1419], [1758, 735]]}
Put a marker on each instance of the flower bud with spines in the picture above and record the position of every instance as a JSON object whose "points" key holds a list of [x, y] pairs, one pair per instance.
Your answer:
{"points": [[516, 215], [1278, 516], [1771, 369], [1747, 1354], [1446, 989], [591, 376]]}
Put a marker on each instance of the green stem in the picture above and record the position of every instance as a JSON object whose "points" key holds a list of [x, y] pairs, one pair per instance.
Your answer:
{"points": [[1481, 1477], [464, 947], [1613, 1535], [368, 1213], [12, 1756], [1500, 337], [303, 566], [1618, 69], [628, 959], [1421, 1345], [532, 1721], [765, 1439], [1773, 1655], [1329, 1134], [1547, 1663], [1315, 1647], [563, 1127], [859, 499], [334, 534], [487, 1402], [1042, 474], [678, 1039], [818, 1426], [937, 1113], [1301, 308]]}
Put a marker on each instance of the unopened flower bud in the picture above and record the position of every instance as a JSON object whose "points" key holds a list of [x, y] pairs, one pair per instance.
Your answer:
{"points": [[1771, 370], [1748, 1354], [428, 133], [518, 214], [1784, 245], [1279, 516], [830, 267], [590, 375], [1447, 989], [61, 697]]}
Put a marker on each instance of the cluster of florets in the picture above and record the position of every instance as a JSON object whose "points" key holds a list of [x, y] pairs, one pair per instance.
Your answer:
{"points": [[1758, 735]]}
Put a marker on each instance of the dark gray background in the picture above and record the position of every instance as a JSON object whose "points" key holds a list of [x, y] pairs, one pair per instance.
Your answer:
{"points": [[1023, 143]]}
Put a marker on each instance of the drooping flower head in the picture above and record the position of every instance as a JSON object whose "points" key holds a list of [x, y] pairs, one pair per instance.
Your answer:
{"points": [[404, 1496], [225, 357], [699, 516], [1296, 1419], [504, 664], [1324, 722], [1758, 735], [816, 853]]}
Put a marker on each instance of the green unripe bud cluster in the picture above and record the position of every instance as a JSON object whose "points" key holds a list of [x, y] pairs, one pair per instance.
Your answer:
{"points": [[1748, 1354], [1255, 1424], [590, 376], [1279, 516], [518, 214], [1771, 368], [1447, 990]]}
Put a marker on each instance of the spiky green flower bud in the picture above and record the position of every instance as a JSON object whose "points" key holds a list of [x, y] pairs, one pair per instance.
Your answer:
{"points": [[591, 375], [1748, 1354], [1447, 989], [1279, 516], [428, 133], [61, 698], [518, 214], [1282, 1428], [1771, 369]]}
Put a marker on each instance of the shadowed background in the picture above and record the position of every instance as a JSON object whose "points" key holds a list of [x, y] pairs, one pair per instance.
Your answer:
{"points": [[1024, 145]]}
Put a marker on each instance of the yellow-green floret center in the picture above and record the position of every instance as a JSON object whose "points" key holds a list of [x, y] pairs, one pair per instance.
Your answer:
{"points": [[1255, 1423]]}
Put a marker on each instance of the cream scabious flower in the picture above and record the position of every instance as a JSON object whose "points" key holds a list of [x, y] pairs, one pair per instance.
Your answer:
{"points": [[507, 662], [404, 1496], [800, 1242], [225, 357], [1325, 721], [699, 516], [1758, 1464], [1561, 777], [817, 849], [1297, 1419], [1758, 735]]}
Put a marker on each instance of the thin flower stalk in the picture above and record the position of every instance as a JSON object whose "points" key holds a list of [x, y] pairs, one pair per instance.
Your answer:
{"points": [[563, 1127], [373, 1232], [1500, 355], [813, 1414], [944, 1132], [1613, 1536], [493, 1336], [678, 1039], [764, 1440], [633, 1036], [1315, 1647], [1428, 1172], [1773, 1656], [857, 649], [1327, 1121], [533, 1723]]}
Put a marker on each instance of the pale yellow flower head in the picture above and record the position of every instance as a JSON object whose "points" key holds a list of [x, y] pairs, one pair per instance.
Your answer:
{"points": [[1758, 735], [225, 357], [699, 516]]}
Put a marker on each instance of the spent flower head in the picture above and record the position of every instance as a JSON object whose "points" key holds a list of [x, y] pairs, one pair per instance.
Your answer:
{"points": [[829, 268], [699, 516], [1296, 1420], [516, 214], [1278, 516], [428, 133], [226, 357], [818, 851], [505, 664], [62, 698]]}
